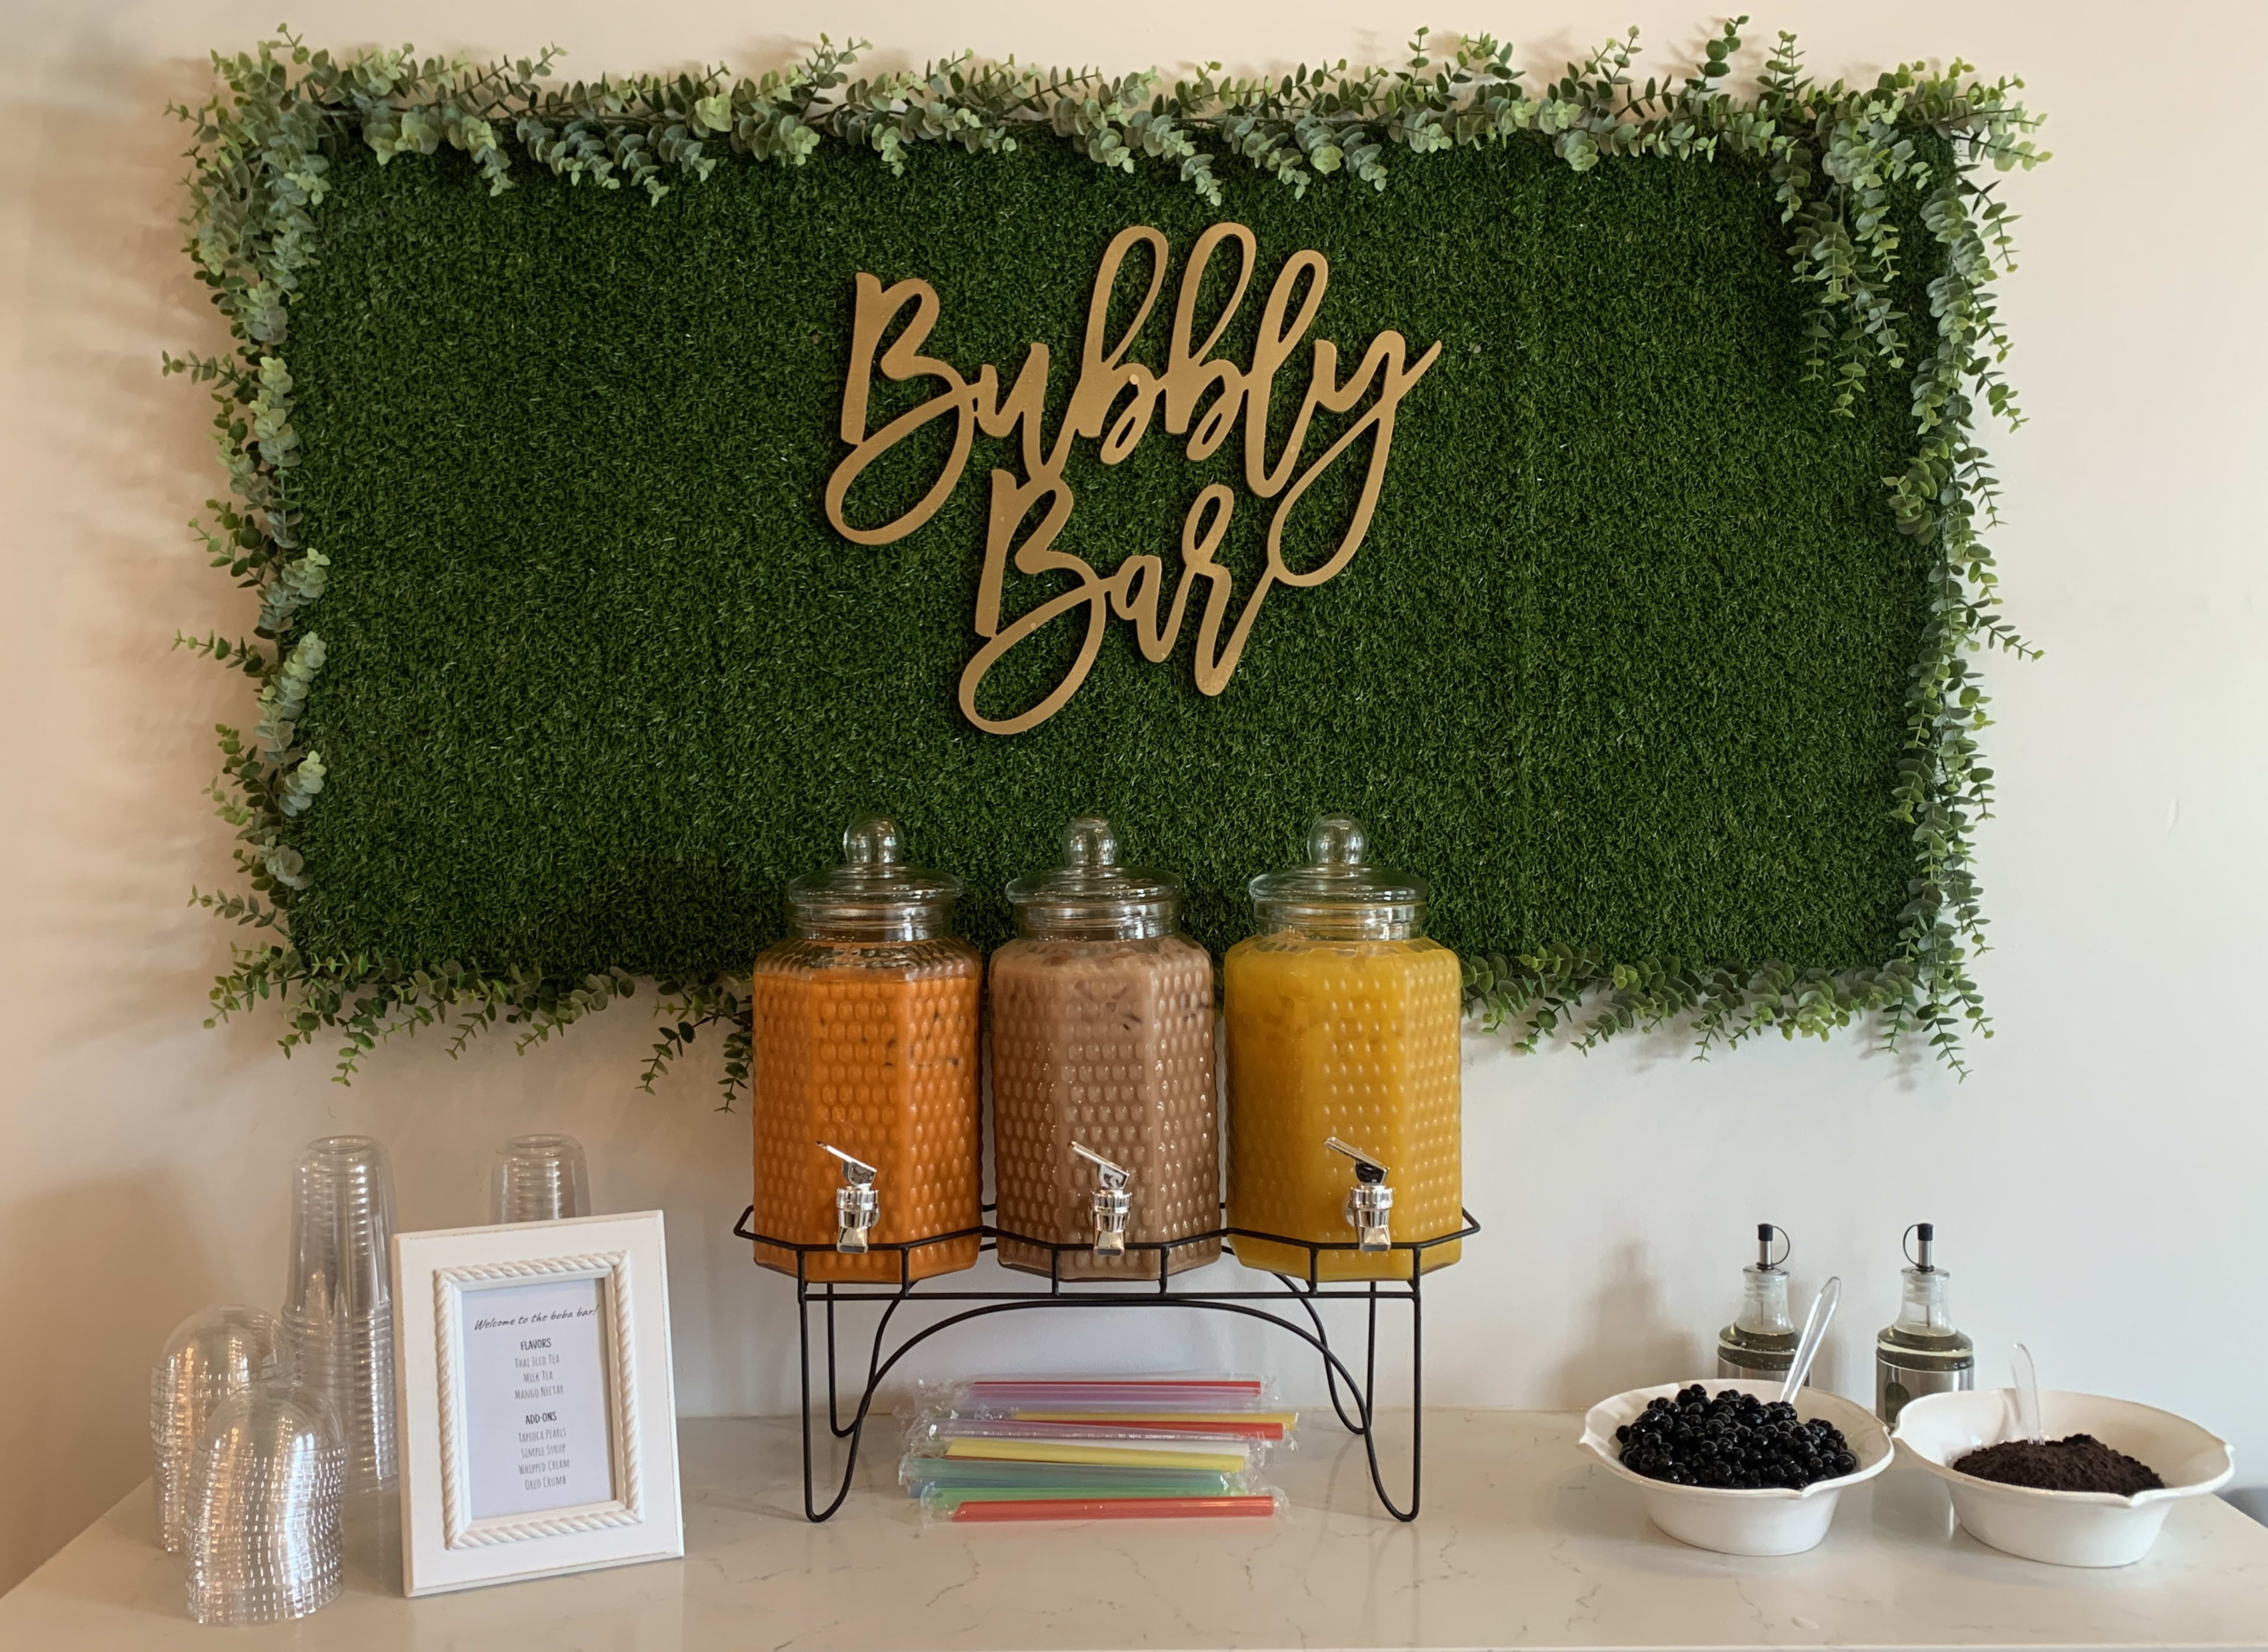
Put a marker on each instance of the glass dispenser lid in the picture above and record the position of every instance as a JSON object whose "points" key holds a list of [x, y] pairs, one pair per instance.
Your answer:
{"points": [[1091, 894], [874, 891], [1339, 887]]}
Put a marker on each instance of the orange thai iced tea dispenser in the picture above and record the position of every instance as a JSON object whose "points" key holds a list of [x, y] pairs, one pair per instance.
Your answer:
{"points": [[1104, 1128], [1345, 1089], [866, 1070]]}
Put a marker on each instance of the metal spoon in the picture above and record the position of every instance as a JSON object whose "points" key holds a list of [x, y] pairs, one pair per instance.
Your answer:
{"points": [[2028, 1395], [1814, 1332]]}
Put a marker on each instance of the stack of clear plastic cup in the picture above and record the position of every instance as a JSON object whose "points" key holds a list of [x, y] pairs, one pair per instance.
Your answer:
{"points": [[538, 1178], [211, 1355], [338, 1302], [263, 1510]]}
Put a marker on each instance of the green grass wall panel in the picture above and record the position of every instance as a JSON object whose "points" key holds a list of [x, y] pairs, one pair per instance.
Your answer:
{"points": [[1622, 662]]}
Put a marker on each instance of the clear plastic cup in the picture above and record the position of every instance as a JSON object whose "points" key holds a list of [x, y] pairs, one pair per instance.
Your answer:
{"points": [[210, 1356], [338, 1301], [538, 1178]]}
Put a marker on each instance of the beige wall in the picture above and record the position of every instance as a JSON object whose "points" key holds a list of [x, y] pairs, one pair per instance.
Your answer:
{"points": [[2096, 1180]]}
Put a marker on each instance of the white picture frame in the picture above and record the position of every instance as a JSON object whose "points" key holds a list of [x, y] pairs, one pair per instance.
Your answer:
{"points": [[619, 1437]]}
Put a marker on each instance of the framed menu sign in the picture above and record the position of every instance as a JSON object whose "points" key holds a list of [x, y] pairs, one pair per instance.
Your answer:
{"points": [[536, 1420], [536, 1398]]}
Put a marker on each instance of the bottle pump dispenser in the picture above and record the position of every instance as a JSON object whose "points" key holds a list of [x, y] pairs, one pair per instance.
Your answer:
{"points": [[1761, 1342], [1921, 1353]]}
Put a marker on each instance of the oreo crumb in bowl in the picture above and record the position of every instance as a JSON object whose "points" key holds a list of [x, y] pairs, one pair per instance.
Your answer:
{"points": [[2063, 1520], [1733, 1443], [2077, 1462]]}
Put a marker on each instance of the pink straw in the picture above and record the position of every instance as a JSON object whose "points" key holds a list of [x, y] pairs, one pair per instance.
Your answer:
{"points": [[1119, 1509]]}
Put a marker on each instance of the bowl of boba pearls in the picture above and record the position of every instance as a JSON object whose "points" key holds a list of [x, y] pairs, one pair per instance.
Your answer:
{"points": [[1726, 1466]]}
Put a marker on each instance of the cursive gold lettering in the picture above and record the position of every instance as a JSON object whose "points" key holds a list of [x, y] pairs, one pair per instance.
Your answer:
{"points": [[1114, 401], [876, 309]]}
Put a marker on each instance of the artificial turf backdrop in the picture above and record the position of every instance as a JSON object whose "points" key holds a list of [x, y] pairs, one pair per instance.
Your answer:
{"points": [[1622, 663]]}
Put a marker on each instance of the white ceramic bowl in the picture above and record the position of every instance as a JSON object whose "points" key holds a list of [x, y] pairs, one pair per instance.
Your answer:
{"points": [[1772, 1521], [2064, 1528]]}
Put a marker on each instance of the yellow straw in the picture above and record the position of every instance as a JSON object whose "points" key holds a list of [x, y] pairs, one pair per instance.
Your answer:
{"points": [[1073, 1451]]}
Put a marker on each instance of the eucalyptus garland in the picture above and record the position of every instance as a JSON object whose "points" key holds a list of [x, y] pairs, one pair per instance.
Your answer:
{"points": [[1836, 153]]}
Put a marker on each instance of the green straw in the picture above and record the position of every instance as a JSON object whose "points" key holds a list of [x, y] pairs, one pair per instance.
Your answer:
{"points": [[1133, 1482]]}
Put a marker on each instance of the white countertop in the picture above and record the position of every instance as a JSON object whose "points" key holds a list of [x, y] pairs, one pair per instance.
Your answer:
{"points": [[1523, 1542]]}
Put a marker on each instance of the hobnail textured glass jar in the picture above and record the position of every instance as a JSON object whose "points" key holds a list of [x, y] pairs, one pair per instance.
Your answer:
{"points": [[866, 1042], [1103, 1041], [1343, 1027]]}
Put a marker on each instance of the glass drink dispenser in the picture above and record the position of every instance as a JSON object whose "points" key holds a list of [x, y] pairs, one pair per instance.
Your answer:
{"points": [[865, 1089], [1344, 1085], [1104, 1127]]}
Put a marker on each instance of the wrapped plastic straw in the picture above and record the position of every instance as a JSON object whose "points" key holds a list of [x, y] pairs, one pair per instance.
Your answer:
{"points": [[1071, 1492], [918, 1473], [1258, 1425], [1164, 1448], [934, 1435], [990, 1395], [939, 1507], [1219, 1457]]}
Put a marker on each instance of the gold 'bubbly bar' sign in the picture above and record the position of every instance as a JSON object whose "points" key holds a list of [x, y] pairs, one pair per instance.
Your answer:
{"points": [[1114, 402]]}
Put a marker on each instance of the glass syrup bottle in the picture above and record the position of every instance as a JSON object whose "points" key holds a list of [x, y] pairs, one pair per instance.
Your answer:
{"points": [[1921, 1353], [1760, 1344]]}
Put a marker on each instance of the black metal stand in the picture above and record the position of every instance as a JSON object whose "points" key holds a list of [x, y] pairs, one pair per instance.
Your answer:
{"points": [[1132, 1293]]}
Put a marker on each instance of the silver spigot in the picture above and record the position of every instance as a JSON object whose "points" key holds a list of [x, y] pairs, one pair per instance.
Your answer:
{"points": [[1112, 1202], [856, 1202], [1369, 1202]]}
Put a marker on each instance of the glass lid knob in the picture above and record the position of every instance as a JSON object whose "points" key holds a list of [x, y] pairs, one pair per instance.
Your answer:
{"points": [[1336, 840], [871, 840], [1088, 841]]}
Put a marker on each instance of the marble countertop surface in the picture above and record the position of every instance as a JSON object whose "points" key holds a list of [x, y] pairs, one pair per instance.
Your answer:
{"points": [[1523, 1542]]}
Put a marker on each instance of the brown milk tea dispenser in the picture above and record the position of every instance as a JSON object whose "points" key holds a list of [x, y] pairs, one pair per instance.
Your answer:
{"points": [[1104, 1134]]}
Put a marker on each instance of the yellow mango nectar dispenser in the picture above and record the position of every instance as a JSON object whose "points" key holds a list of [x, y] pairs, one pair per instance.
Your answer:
{"points": [[1345, 1100]]}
